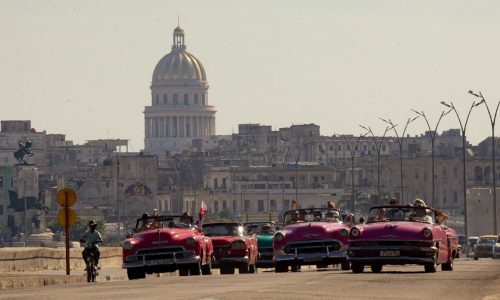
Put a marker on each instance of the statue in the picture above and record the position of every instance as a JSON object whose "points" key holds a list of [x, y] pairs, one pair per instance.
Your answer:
{"points": [[24, 149]]}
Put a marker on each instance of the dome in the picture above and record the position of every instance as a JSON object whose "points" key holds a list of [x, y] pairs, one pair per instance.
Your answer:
{"points": [[179, 64]]}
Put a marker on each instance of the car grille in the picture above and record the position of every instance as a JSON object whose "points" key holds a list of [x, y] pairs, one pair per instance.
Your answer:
{"points": [[266, 253], [220, 251], [405, 248], [164, 253], [312, 247], [389, 243]]}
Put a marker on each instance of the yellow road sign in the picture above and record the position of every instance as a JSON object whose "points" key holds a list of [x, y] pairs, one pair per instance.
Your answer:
{"points": [[61, 217], [66, 197]]}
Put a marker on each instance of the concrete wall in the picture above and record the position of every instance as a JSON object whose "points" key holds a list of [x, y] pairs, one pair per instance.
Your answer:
{"points": [[33, 259]]}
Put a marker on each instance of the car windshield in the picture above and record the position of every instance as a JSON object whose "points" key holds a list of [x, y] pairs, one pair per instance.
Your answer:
{"points": [[401, 213], [222, 230], [312, 215], [488, 240], [260, 228], [157, 222]]}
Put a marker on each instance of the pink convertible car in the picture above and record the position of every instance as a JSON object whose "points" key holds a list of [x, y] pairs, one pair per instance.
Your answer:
{"points": [[399, 235]]}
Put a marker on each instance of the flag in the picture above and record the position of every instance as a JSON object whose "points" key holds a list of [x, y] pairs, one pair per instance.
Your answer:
{"points": [[203, 209]]}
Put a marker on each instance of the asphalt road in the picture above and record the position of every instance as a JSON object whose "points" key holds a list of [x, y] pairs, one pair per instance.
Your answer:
{"points": [[469, 280]]}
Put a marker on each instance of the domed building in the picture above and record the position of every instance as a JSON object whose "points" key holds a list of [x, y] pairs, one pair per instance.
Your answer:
{"points": [[179, 117]]}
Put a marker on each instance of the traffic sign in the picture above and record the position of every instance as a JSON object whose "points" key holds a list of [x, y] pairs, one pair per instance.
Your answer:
{"points": [[66, 197], [61, 217]]}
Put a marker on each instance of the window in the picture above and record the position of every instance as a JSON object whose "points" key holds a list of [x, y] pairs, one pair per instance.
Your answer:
{"points": [[216, 206], [157, 98], [224, 204], [196, 99], [176, 100], [455, 197], [202, 99], [247, 205], [234, 206], [272, 204], [260, 205], [286, 204], [165, 99], [186, 99]]}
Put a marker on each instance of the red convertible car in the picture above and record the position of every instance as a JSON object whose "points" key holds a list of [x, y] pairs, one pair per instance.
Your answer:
{"points": [[232, 248], [314, 236], [166, 244], [398, 235]]}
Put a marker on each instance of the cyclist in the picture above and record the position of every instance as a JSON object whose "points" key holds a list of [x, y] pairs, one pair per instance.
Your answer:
{"points": [[91, 238]]}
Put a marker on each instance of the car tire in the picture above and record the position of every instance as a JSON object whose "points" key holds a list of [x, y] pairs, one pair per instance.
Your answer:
{"points": [[294, 268], [252, 269], [345, 266], [135, 273], [376, 268], [183, 271], [280, 267], [430, 267], [195, 269], [476, 258], [357, 268], [207, 268], [226, 269], [244, 268]]}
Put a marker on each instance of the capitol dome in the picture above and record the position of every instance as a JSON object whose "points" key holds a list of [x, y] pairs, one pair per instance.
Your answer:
{"points": [[179, 64]]}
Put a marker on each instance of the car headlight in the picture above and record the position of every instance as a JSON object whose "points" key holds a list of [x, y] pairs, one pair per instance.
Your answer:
{"points": [[190, 241], [279, 237], [238, 245], [355, 232], [427, 232], [128, 244], [343, 232]]}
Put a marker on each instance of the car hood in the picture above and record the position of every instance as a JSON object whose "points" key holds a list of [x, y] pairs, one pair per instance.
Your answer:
{"points": [[264, 240], [393, 230], [224, 241], [312, 231], [170, 235]]}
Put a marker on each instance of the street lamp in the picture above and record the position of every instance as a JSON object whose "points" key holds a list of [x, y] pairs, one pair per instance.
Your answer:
{"points": [[379, 147], [400, 143], [297, 172], [492, 122], [463, 127], [353, 153], [433, 138]]}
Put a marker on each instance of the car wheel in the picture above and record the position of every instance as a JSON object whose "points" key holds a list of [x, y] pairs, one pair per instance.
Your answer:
{"points": [[183, 271], [357, 268], [294, 268], [376, 268], [207, 269], [345, 266], [243, 268], [430, 267], [195, 269], [252, 269], [280, 267], [476, 258], [226, 269], [134, 273]]}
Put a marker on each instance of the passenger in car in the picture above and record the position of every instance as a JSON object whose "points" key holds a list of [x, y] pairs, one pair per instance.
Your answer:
{"points": [[420, 212], [394, 214]]}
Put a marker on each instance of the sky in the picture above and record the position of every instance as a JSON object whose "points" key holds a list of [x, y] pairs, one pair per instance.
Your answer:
{"points": [[84, 68]]}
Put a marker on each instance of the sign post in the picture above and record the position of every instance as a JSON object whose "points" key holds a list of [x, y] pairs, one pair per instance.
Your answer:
{"points": [[66, 216]]}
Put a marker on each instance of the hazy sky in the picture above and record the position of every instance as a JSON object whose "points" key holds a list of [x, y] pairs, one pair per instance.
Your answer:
{"points": [[83, 68]]}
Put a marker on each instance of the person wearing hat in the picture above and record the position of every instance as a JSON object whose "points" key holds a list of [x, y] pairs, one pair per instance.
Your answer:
{"points": [[331, 204], [91, 238], [420, 212]]}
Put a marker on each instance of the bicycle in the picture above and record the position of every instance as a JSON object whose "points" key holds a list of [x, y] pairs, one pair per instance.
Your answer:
{"points": [[91, 269]]}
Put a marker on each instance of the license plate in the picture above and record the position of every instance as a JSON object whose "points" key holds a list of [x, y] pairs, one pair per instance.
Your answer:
{"points": [[157, 262], [311, 259], [389, 253]]}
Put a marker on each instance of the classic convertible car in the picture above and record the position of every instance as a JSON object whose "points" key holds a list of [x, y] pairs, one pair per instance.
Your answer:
{"points": [[265, 233], [398, 235], [232, 247], [314, 236], [166, 244]]}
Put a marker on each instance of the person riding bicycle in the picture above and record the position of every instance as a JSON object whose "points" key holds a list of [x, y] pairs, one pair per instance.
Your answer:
{"points": [[91, 238]]}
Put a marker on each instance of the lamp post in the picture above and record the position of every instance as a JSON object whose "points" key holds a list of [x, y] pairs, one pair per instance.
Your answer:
{"points": [[492, 122], [378, 147], [463, 127], [433, 138], [352, 154], [297, 173], [400, 144]]}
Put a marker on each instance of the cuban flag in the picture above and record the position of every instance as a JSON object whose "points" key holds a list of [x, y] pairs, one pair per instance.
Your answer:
{"points": [[203, 209]]}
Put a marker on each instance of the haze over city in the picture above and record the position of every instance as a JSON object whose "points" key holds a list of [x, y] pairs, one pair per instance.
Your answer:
{"points": [[84, 68]]}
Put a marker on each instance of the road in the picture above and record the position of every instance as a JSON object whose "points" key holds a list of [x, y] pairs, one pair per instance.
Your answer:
{"points": [[469, 280]]}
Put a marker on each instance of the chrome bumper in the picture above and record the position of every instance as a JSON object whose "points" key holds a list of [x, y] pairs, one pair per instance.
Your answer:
{"points": [[176, 259], [422, 255]]}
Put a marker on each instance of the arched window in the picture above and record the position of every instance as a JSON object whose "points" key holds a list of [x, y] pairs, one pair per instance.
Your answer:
{"points": [[164, 98], [202, 99], [176, 101], [157, 98], [478, 175], [487, 175], [186, 99], [196, 99]]}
